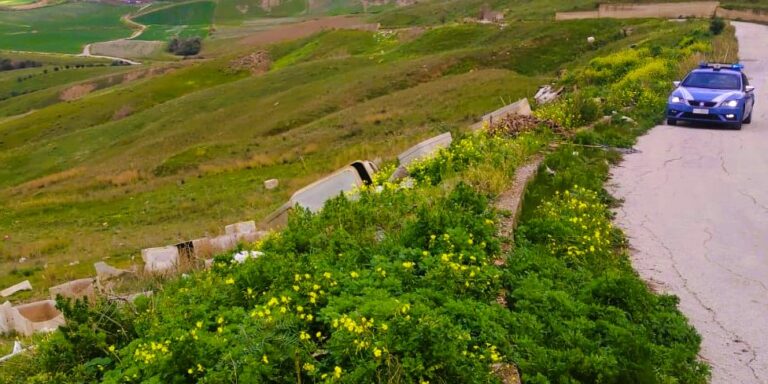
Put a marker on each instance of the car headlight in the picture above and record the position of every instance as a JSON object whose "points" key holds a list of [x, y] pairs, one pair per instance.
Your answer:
{"points": [[731, 103], [676, 99]]}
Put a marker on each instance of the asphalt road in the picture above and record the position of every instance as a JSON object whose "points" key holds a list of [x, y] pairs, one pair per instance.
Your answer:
{"points": [[696, 212]]}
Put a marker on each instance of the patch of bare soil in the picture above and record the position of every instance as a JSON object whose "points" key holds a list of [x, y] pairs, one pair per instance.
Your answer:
{"points": [[257, 62], [37, 4], [76, 91], [304, 29], [123, 112]]}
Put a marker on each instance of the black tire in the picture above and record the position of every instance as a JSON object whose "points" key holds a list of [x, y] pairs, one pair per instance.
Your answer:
{"points": [[736, 126], [748, 119], [671, 122]]}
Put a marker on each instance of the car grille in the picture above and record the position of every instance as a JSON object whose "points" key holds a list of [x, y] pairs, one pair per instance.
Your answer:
{"points": [[688, 115], [701, 103]]}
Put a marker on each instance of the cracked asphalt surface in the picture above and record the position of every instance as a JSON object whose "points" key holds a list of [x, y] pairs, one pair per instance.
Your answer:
{"points": [[696, 212]]}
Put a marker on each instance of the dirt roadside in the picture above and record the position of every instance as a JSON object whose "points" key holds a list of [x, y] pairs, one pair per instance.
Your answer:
{"points": [[696, 212]]}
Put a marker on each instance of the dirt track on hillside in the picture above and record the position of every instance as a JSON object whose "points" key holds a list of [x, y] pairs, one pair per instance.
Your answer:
{"points": [[304, 29], [696, 212]]}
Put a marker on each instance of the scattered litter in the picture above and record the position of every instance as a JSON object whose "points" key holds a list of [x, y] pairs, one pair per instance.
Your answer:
{"points": [[17, 349], [23, 286], [591, 39], [547, 94], [241, 257], [22, 259], [73, 263]]}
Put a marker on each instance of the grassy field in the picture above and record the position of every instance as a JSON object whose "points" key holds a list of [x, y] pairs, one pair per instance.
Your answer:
{"points": [[184, 20], [64, 28], [153, 162]]}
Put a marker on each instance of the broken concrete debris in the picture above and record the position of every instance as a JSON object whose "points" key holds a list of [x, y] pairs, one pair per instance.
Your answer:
{"points": [[106, 272], [420, 151], [547, 94], [23, 286], [314, 196], [520, 107], [271, 184], [161, 259], [75, 289], [17, 349], [242, 227], [26, 319]]}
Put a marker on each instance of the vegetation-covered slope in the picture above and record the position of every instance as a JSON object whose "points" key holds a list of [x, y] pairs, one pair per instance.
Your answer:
{"points": [[173, 157]]}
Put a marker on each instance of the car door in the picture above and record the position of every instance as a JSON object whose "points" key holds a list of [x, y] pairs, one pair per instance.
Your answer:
{"points": [[750, 102]]}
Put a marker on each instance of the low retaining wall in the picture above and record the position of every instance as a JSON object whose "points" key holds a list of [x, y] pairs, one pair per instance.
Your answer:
{"points": [[760, 16], [702, 9]]}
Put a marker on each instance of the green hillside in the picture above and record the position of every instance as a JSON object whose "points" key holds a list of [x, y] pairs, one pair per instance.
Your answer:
{"points": [[158, 161]]}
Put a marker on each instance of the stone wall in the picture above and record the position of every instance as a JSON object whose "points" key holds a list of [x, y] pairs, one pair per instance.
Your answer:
{"points": [[702, 9], [760, 16]]}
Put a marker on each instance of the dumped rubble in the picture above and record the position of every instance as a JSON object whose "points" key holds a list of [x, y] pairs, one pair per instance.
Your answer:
{"points": [[26, 319], [23, 286], [547, 94], [75, 289], [106, 272], [242, 227], [520, 107], [513, 125], [161, 259], [425, 149]]}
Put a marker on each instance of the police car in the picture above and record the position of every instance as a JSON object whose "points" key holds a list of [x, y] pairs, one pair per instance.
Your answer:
{"points": [[713, 93]]}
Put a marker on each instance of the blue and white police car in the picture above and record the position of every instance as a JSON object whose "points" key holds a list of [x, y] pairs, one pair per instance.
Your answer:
{"points": [[713, 93]]}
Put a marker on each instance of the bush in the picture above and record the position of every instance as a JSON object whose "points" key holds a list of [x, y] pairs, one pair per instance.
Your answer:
{"points": [[185, 46], [716, 25]]}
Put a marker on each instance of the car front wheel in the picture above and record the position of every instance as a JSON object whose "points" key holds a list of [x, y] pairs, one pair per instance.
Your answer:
{"points": [[748, 119], [671, 122]]}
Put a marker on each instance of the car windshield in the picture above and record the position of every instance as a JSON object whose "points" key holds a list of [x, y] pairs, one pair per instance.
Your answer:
{"points": [[712, 80]]}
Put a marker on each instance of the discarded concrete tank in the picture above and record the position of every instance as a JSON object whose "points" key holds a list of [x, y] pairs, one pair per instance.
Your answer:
{"points": [[425, 149], [106, 272], [75, 289], [278, 218], [23, 286], [26, 319], [161, 259], [242, 227], [223, 243], [314, 196]]}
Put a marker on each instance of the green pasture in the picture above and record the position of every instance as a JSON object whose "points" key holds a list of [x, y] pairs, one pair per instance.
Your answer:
{"points": [[191, 19], [64, 28]]}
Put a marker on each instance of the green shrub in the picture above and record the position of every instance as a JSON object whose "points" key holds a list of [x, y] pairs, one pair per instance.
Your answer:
{"points": [[716, 25]]}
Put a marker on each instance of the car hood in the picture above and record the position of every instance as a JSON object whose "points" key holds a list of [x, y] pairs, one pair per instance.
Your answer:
{"points": [[705, 94]]}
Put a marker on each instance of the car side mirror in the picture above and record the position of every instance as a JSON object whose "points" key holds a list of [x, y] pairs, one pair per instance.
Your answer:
{"points": [[749, 89], [676, 83]]}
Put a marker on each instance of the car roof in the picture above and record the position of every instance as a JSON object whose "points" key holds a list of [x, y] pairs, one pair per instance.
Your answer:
{"points": [[712, 70]]}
